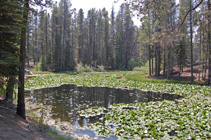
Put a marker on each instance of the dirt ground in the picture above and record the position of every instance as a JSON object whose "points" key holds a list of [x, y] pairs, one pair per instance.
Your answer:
{"points": [[13, 127], [185, 76]]}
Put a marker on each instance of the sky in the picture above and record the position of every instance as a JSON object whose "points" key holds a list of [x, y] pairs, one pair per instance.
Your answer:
{"points": [[99, 4]]}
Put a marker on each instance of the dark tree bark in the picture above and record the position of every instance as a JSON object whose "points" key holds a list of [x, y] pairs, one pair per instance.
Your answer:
{"points": [[21, 101], [152, 65], [164, 62], [10, 89], [28, 46], [168, 65], [149, 61], [157, 61]]}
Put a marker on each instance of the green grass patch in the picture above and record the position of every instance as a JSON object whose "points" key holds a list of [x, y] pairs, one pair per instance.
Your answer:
{"points": [[141, 77], [145, 78], [41, 72], [54, 133]]}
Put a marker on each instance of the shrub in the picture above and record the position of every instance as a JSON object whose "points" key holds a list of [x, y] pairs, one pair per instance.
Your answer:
{"points": [[100, 68], [132, 63], [81, 68]]}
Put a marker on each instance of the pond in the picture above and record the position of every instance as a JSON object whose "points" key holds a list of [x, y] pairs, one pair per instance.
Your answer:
{"points": [[60, 106]]}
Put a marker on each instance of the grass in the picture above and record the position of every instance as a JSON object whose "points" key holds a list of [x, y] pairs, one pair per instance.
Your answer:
{"points": [[145, 78], [54, 133], [41, 72], [141, 74]]}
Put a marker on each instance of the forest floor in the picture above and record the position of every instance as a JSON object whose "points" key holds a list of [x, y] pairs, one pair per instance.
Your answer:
{"points": [[185, 76], [14, 127]]}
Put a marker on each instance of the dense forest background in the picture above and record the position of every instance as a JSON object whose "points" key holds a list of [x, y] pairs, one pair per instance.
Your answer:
{"points": [[172, 34], [62, 39]]}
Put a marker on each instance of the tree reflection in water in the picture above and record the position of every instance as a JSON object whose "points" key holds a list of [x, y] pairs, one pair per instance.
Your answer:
{"points": [[61, 104]]}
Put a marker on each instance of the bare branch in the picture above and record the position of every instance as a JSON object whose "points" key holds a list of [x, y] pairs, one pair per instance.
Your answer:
{"points": [[188, 13]]}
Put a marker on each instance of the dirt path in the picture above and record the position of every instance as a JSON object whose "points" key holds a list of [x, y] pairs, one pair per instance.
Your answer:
{"points": [[13, 127]]}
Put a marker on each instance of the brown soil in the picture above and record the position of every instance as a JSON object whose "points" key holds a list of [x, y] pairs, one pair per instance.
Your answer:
{"points": [[185, 76], [14, 127]]}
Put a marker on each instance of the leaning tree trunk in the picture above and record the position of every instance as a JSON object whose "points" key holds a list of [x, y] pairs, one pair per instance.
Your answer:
{"points": [[21, 101]]}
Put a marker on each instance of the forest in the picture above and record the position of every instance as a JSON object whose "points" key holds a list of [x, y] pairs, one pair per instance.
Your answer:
{"points": [[171, 35], [166, 60]]}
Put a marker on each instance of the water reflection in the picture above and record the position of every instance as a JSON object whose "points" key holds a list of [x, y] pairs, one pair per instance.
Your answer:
{"points": [[61, 104]]}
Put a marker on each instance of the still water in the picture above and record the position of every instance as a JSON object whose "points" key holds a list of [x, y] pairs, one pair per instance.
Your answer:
{"points": [[60, 105]]}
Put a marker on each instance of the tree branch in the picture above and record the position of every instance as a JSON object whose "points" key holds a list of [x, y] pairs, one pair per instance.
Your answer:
{"points": [[188, 13]]}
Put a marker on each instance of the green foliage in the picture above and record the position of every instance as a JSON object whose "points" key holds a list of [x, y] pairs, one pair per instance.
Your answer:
{"points": [[83, 68], [132, 63], [2, 86], [119, 50], [155, 120], [144, 78], [10, 23], [100, 68], [54, 133], [42, 64]]}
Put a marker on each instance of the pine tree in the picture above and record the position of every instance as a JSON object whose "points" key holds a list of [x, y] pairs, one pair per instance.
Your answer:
{"points": [[112, 33], [106, 47], [80, 26], [118, 50], [21, 100], [41, 41], [181, 47], [55, 39], [99, 38], [10, 23]]}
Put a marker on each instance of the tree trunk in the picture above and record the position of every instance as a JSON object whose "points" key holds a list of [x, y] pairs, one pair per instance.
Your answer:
{"points": [[191, 42], [156, 61], [164, 62], [204, 71], [209, 43], [152, 66], [159, 60], [46, 45], [200, 55], [149, 61], [28, 46], [206, 58], [21, 101], [168, 67], [10, 89]]}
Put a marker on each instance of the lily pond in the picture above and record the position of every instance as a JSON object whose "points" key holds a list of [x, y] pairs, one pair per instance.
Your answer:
{"points": [[71, 110], [103, 106]]}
